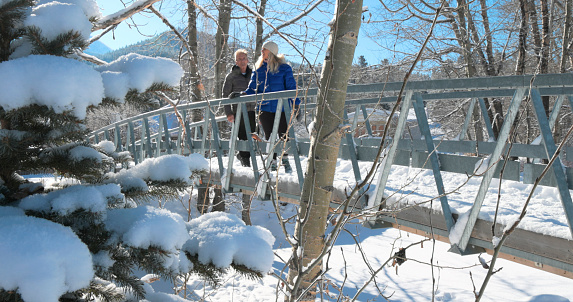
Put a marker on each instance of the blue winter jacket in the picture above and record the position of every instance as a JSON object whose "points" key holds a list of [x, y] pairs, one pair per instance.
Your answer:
{"points": [[263, 82]]}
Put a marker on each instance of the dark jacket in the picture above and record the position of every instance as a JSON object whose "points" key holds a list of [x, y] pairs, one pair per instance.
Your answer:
{"points": [[237, 82], [265, 82]]}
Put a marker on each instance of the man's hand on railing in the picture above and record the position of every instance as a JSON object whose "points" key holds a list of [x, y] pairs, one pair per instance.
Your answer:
{"points": [[236, 94]]}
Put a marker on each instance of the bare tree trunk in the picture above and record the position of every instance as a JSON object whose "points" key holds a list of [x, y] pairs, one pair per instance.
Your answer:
{"points": [[564, 56], [465, 43], [520, 64], [325, 141], [196, 85], [495, 108], [521, 51], [464, 39], [196, 89], [541, 41], [566, 36], [489, 39], [221, 46], [259, 37], [545, 41], [246, 212]]}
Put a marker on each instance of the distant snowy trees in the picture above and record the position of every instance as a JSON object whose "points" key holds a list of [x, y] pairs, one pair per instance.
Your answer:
{"points": [[86, 240]]}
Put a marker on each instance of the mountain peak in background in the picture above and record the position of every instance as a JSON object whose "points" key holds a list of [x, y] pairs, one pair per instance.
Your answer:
{"points": [[97, 48]]}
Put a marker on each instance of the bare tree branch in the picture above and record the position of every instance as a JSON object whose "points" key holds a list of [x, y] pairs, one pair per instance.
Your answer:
{"points": [[293, 20], [173, 29], [120, 16], [256, 14], [508, 230]]}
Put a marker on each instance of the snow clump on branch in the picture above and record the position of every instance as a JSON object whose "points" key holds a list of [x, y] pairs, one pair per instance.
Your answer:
{"points": [[42, 259], [75, 20], [68, 85], [56, 82], [222, 239], [134, 71]]}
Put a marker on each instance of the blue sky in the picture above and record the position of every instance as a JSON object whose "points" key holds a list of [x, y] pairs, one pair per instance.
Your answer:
{"points": [[150, 25]]}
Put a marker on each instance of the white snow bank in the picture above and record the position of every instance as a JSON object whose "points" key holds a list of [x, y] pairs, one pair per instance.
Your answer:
{"points": [[222, 239], [152, 296], [59, 83], [41, 259], [116, 84], [458, 230], [11, 211]]}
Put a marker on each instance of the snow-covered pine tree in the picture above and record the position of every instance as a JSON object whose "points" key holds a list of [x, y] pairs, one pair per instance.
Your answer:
{"points": [[85, 241]]}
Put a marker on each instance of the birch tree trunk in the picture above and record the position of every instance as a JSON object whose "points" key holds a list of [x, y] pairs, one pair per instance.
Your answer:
{"points": [[324, 145]]}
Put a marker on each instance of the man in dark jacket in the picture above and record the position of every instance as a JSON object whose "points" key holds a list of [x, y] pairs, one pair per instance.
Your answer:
{"points": [[235, 82]]}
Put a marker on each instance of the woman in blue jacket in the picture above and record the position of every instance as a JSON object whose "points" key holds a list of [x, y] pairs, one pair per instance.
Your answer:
{"points": [[272, 74]]}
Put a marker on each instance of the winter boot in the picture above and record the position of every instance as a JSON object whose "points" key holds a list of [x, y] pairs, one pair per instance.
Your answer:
{"points": [[286, 164], [274, 165], [245, 161]]}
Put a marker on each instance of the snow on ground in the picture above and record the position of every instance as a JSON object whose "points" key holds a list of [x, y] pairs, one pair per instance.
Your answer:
{"points": [[411, 281], [455, 275], [408, 185]]}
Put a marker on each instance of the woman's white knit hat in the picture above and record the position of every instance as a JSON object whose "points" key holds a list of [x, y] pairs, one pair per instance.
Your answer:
{"points": [[272, 47]]}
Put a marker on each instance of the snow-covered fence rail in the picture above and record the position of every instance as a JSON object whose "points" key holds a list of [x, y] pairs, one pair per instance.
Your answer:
{"points": [[363, 106]]}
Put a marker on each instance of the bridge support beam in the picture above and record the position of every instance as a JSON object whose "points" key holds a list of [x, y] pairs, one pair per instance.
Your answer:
{"points": [[550, 147], [388, 158], [433, 156], [467, 228]]}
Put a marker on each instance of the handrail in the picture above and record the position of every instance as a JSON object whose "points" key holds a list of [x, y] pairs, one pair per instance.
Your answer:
{"points": [[549, 84]]}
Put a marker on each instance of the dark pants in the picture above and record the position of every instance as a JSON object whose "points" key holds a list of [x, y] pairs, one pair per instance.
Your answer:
{"points": [[267, 119], [243, 132]]}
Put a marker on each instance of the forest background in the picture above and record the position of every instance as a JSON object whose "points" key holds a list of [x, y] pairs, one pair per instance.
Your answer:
{"points": [[470, 39]]}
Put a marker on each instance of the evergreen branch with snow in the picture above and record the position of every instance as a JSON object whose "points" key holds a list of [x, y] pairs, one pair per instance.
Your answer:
{"points": [[65, 44]]}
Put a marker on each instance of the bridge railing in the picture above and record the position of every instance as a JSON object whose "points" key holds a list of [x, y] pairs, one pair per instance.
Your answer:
{"points": [[152, 134]]}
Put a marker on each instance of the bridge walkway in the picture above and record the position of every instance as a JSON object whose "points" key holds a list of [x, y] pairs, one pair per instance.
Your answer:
{"points": [[151, 135]]}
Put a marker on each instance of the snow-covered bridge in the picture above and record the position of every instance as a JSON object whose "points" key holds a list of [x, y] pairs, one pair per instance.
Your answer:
{"points": [[420, 145]]}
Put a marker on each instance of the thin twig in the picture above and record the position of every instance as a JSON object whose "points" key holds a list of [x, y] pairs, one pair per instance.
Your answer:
{"points": [[507, 232]]}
